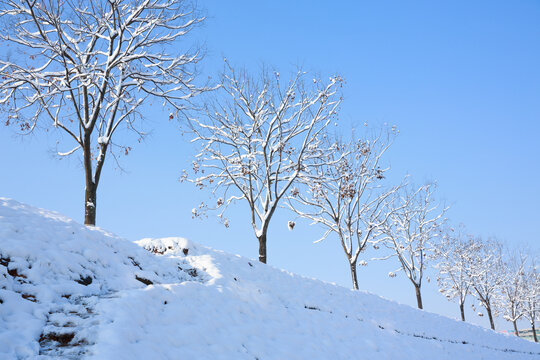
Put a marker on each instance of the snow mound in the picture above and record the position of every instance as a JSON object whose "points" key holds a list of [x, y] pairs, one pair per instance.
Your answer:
{"points": [[53, 273], [68, 291]]}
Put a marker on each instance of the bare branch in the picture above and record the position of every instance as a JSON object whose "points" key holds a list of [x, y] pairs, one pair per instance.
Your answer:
{"points": [[258, 138], [342, 192], [86, 68]]}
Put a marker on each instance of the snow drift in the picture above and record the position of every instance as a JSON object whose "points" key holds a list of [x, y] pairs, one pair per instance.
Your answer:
{"points": [[68, 291]]}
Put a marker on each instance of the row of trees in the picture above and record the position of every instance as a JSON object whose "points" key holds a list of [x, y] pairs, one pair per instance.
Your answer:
{"points": [[502, 282], [87, 69], [266, 143]]}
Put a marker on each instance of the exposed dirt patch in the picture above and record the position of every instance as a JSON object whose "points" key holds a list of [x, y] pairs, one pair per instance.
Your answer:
{"points": [[62, 339], [15, 273], [144, 281], [4, 261], [29, 297], [87, 280], [192, 272]]}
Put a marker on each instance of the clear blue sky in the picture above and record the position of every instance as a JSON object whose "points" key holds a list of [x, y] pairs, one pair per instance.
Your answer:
{"points": [[460, 79]]}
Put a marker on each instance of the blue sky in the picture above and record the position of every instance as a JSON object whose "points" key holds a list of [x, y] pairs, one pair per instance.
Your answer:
{"points": [[460, 79]]}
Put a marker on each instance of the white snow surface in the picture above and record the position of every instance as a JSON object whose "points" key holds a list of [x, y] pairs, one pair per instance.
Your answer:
{"points": [[200, 304]]}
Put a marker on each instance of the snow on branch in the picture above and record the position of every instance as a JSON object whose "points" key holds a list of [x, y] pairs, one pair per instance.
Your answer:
{"points": [[411, 231], [513, 294], [486, 275], [87, 67], [453, 256], [342, 191], [530, 298], [257, 135]]}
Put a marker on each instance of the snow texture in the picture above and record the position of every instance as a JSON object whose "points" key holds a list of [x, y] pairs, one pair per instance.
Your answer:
{"points": [[69, 291]]}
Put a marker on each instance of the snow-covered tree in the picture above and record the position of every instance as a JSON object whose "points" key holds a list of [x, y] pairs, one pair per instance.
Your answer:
{"points": [[486, 275], [531, 297], [454, 261], [343, 193], [410, 231], [86, 68], [512, 289], [258, 137]]}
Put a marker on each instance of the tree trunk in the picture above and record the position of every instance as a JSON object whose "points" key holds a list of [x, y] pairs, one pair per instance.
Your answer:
{"points": [[353, 275], [462, 310], [491, 322], [262, 248], [90, 204], [91, 185], [516, 331], [534, 332], [418, 296]]}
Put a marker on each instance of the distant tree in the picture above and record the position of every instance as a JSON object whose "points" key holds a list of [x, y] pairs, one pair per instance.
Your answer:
{"points": [[410, 231], [486, 275], [454, 261], [531, 297], [258, 137], [343, 193], [513, 288], [87, 67]]}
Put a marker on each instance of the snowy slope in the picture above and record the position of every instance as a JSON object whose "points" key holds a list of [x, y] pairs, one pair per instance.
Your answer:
{"points": [[67, 291]]}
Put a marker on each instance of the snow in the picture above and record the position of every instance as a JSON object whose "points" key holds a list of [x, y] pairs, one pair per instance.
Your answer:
{"points": [[103, 140], [104, 297]]}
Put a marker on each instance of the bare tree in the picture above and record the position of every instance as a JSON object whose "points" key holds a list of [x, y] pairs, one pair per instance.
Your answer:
{"points": [[257, 139], [86, 68], [343, 193], [531, 297], [454, 261], [486, 275], [410, 232], [512, 289]]}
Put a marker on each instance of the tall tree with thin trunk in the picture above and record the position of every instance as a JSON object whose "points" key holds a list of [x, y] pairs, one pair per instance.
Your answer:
{"points": [[531, 297], [453, 261], [410, 231], [257, 136], [512, 291], [85, 68], [343, 193], [486, 275]]}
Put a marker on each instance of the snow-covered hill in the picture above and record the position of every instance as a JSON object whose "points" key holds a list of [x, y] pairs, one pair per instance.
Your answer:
{"points": [[67, 291]]}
